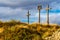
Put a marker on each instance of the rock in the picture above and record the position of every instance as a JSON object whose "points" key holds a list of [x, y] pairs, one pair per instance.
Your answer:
{"points": [[55, 36]]}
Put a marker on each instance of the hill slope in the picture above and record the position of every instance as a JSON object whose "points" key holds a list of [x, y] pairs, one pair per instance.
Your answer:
{"points": [[22, 31]]}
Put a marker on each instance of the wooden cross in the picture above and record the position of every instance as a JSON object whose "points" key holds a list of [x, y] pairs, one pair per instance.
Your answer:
{"points": [[48, 14], [28, 16], [39, 8]]}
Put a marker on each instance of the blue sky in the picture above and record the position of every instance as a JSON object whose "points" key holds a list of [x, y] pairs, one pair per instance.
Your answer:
{"points": [[17, 9]]}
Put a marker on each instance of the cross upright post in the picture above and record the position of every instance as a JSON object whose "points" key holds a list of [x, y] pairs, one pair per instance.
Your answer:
{"points": [[48, 8], [39, 8], [28, 16]]}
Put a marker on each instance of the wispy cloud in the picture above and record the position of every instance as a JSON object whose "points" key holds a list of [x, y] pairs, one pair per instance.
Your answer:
{"points": [[53, 18]]}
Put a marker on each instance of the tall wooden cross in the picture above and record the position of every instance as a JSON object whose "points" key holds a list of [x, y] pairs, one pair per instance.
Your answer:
{"points": [[48, 8], [28, 16], [39, 8]]}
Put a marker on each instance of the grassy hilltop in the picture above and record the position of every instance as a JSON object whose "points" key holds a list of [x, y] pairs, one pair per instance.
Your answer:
{"points": [[16, 30]]}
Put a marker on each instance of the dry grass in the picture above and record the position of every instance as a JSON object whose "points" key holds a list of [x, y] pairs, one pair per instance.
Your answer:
{"points": [[1, 30], [15, 30]]}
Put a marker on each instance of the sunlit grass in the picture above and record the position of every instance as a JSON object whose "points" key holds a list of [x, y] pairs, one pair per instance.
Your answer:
{"points": [[16, 30]]}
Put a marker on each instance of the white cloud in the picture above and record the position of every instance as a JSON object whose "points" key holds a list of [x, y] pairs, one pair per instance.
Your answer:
{"points": [[10, 2], [7, 13], [10, 11], [54, 17], [55, 5]]}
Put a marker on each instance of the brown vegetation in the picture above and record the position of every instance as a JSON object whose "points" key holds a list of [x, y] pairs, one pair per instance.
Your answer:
{"points": [[16, 30]]}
